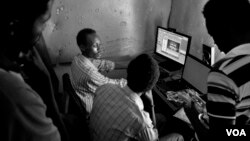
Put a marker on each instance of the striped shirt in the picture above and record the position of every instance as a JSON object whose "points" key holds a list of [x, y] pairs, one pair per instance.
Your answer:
{"points": [[229, 89], [118, 115], [86, 77]]}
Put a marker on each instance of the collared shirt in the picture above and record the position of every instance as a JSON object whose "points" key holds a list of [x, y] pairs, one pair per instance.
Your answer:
{"points": [[86, 78], [229, 88], [118, 115]]}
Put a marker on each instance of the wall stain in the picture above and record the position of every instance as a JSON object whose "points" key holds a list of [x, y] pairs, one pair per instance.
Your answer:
{"points": [[123, 23]]}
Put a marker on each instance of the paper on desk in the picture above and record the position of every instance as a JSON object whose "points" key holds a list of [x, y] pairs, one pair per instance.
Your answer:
{"points": [[182, 115]]}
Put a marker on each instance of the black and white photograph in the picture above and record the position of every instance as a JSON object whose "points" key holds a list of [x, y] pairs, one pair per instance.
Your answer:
{"points": [[125, 70]]}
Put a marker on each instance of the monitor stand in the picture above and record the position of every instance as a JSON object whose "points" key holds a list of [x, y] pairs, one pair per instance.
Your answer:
{"points": [[170, 65]]}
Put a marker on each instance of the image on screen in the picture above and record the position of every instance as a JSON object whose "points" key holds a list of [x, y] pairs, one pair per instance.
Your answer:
{"points": [[195, 73], [171, 45]]}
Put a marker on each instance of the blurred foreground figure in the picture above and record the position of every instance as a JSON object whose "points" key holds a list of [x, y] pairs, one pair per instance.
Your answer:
{"points": [[23, 111], [228, 98]]}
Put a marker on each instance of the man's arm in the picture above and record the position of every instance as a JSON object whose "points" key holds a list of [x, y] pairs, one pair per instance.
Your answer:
{"points": [[221, 100], [103, 65], [200, 128], [99, 80], [148, 102], [148, 132], [192, 113]]}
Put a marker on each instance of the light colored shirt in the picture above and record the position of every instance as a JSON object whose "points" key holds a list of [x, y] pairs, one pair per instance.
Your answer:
{"points": [[229, 88], [86, 78], [118, 115]]}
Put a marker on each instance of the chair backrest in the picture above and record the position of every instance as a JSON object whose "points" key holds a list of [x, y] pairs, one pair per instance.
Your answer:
{"points": [[68, 89]]}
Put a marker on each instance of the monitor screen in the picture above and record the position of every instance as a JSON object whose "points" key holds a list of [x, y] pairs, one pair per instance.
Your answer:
{"points": [[172, 45], [195, 73]]}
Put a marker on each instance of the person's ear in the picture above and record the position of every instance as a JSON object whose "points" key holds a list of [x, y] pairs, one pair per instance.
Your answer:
{"points": [[82, 48]]}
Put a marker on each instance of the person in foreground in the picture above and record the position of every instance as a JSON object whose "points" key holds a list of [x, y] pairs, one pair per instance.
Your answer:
{"points": [[23, 111], [118, 113], [86, 68], [228, 97]]}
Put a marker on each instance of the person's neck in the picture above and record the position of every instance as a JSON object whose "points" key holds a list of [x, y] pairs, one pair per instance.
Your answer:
{"points": [[86, 55], [139, 94]]}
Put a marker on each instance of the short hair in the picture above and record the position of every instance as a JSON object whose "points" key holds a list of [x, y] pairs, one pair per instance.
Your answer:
{"points": [[142, 73], [82, 36], [224, 14]]}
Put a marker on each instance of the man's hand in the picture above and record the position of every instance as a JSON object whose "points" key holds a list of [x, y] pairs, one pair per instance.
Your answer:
{"points": [[123, 82], [185, 98], [191, 103], [110, 65]]}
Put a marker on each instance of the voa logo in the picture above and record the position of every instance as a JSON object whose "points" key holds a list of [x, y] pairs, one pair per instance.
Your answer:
{"points": [[236, 132]]}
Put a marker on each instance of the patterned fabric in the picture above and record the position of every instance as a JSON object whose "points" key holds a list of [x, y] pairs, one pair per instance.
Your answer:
{"points": [[118, 115], [229, 88], [86, 78], [103, 65]]}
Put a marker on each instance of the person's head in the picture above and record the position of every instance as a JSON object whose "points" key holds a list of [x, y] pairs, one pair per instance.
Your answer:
{"points": [[22, 24], [142, 73], [89, 43], [228, 22]]}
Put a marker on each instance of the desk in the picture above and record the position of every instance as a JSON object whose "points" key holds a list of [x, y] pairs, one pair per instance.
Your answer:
{"points": [[168, 108], [176, 117], [171, 82]]}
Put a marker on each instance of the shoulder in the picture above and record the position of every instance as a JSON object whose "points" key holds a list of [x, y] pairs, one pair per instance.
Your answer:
{"points": [[108, 88], [234, 68], [79, 58], [17, 91], [81, 62]]}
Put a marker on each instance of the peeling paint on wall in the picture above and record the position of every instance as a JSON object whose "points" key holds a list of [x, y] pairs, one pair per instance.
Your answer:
{"points": [[126, 27]]}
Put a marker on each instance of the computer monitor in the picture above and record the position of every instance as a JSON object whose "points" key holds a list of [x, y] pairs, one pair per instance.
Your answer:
{"points": [[195, 73], [208, 54], [172, 45]]}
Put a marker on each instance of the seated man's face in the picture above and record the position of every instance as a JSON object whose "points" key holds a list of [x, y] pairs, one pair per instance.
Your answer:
{"points": [[94, 51]]}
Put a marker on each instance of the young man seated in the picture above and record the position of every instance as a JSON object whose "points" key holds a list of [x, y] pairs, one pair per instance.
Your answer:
{"points": [[86, 67], [118, 113]]}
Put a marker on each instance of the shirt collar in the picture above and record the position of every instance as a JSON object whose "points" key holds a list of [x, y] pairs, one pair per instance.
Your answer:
{"points": [[134, 97], [239, 50]]}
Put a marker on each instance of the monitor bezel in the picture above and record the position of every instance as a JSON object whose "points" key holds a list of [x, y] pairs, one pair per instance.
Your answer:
{"points": [[174, 32], [186, 82]]}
